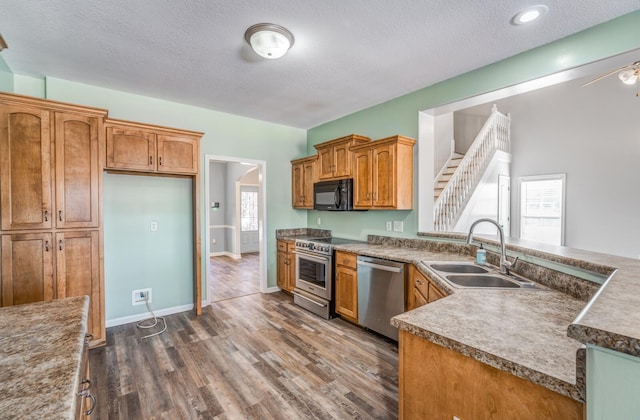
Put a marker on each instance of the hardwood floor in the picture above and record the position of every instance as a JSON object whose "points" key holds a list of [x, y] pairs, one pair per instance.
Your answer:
{"points": [[231, 277], [253, 357]]}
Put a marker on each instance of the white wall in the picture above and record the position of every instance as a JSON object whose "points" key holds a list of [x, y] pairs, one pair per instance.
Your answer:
{"points": [[443, 130], [593, 135]]}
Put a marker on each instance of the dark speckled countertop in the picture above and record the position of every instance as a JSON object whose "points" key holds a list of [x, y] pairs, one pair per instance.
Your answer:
{"points": [[41, 351], [523, 332]]}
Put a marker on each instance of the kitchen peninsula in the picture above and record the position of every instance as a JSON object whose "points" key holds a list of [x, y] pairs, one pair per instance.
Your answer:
{"points": [[535, 335], [43, 360]]}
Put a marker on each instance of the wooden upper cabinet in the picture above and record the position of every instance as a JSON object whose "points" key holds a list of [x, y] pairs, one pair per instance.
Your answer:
{"points": [[334, 157], [27, 268], [178, 154], [77, 170], [302, 178], [130, 149], [25, 168], [147, 148], [384, 174]]}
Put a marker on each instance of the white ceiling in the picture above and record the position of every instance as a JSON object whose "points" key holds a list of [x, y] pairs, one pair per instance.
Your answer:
{"points": [[348, 54]]}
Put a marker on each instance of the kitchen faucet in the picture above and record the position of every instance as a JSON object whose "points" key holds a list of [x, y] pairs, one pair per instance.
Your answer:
{"points": [[505, 265]]}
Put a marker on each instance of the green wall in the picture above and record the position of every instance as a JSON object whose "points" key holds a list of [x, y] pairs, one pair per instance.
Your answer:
{"points": [[6, 77], [160, 260], [400, 116], [225, 135]]}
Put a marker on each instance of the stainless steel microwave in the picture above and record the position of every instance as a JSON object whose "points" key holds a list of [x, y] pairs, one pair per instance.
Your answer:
{"points": [[333, 195]]}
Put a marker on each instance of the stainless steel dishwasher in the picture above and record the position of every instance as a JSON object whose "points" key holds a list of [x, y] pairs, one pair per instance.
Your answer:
{"points": [[380, 294]]}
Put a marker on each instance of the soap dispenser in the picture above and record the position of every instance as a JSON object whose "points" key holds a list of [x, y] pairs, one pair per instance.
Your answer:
{"points": [[481, 255]]}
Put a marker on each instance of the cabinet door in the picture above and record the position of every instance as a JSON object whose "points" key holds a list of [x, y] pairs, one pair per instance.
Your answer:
{"points": [[77, 170], [309, 177], [131, 149], [25, 168], [341, 160], [27, 268], [434, 293], [362, 194], [177, 154], [291, 276], [325, 163], [384, 179], [78, 272], [282, 270], [297, 182], [347, 292], [418, 299]]}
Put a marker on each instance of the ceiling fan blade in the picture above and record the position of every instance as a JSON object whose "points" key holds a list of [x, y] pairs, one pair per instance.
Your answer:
{"points": [[597, 79]]}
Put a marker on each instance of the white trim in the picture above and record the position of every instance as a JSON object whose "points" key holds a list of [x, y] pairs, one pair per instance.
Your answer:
{"points": [[221, 227], [262, 216], [146, 315], [272, 289], [225, 253]]}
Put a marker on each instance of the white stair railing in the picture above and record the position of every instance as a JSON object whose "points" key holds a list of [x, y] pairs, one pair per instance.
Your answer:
{"points": [[494, 135]]}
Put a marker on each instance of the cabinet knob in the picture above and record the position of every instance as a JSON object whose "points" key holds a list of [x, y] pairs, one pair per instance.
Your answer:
{"points": [[46, 246], [60, 244], [418, 282], [150, 160], [159, 160], [60, 215], [46, 215]]}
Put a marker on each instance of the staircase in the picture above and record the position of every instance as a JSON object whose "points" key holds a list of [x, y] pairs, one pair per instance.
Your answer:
{"points": [[453, 187], [446, 173]]}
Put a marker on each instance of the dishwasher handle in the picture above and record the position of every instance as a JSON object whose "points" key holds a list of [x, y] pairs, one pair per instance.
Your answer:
{"points": [[381, 267]]}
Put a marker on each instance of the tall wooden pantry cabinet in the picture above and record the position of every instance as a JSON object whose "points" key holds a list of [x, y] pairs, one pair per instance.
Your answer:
{"points": [[50, 204]]}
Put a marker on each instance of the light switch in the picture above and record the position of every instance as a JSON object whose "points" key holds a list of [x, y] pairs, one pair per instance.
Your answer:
{"points": [[154, 225], [388, 225], [398, 226]]}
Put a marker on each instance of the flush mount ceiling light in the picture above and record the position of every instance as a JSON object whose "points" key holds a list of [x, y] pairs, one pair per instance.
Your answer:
{"points": [[529, 14], [269, 40]]}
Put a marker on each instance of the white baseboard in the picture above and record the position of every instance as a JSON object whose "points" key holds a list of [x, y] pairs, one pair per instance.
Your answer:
{"points": [[139, 317], [272, 289], [225, 253]]}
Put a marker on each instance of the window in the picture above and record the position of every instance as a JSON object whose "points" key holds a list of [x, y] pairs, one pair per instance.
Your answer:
{"points": [[249, 211], [542, 208]]}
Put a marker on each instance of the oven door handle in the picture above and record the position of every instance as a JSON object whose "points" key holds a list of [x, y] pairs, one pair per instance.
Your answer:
{"points": [[322, 305], [311, 257]]}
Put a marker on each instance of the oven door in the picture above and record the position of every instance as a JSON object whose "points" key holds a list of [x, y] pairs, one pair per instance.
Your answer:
{"points": [[313, 274]]}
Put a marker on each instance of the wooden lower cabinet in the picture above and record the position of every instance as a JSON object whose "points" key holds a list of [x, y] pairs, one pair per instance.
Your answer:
{"points": [[78, 274], [439, 383], [420, 290], [286, 266], [27, 268], [346, 284]]}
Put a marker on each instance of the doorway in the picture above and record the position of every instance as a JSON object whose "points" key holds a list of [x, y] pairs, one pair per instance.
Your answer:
{"points": [[235, 220]]}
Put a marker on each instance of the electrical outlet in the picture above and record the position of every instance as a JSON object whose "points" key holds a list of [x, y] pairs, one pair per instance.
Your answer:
{"points": [[214, 241], [138, 297], [319, 221], [388, 225], [398, 226], [154, 225]]}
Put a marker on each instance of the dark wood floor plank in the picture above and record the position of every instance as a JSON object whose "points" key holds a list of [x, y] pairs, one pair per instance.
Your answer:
{"points": [[257, 356]]}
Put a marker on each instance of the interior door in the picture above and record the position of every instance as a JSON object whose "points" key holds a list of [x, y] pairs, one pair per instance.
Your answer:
{"points": [[249, 237], [504, 203]]}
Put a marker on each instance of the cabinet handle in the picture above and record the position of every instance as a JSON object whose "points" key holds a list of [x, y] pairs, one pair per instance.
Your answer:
{"points": [[46, 215], [88, 337], [150, 160], [86, 394], [60, 215], [86, 382], [160, 161], [46, 246], [60, 244], [418, 282]]}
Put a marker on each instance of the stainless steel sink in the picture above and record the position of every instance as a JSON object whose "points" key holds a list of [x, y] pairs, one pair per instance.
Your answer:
{"points": [[475, 280], [469, 275], [459, 268]]}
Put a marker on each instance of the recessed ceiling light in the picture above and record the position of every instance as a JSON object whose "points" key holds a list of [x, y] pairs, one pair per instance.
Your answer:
{"points": [[529, 14]]}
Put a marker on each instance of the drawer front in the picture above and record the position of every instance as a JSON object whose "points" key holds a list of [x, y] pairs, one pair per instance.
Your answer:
{"points": [[421, 283], [282, 246], [291, 246], [347, 259]]}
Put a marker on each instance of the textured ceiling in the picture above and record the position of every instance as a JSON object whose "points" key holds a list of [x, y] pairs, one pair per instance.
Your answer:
{"points": [[348, 54]]}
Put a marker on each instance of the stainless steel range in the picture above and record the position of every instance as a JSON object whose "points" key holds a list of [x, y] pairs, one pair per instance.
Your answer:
{"points": [[314, 274]]}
